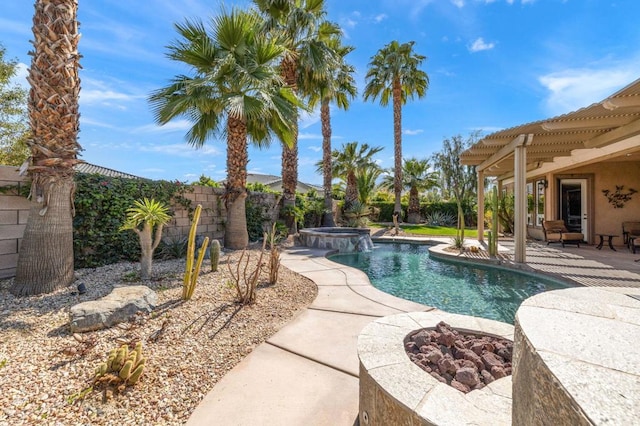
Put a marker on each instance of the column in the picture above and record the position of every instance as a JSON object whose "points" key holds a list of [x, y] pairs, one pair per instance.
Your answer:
{"points": [[480, 206], [520, 192]]}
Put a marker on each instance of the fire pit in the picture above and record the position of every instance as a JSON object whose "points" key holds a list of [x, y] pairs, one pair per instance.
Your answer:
{"points": [[462, 360], [394, 390]]}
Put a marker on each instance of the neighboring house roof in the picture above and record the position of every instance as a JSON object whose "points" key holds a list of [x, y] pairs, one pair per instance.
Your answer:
{"points": [[104, 171], [615, 119], [275, 183]]}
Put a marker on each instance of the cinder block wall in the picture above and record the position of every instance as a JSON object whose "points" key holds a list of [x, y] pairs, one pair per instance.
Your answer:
{"points": [[14, 211]]}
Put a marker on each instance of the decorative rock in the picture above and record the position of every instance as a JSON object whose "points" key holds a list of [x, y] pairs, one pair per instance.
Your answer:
{"points": [[460, 386], [468, 376], [456, 359], [490, 359], [118, 306]]}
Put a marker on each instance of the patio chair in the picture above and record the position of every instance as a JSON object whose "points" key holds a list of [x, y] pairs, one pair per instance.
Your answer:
{"points": [[631, 235], [555, 231]]}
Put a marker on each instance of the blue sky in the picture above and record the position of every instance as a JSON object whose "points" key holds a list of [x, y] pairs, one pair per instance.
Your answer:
{"points": [[492, 64]]}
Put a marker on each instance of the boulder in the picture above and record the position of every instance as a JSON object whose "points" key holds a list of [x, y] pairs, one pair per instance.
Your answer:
{"points": [[122, 304]]}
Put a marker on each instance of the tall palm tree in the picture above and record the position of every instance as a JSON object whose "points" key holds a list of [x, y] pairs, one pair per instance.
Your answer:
{"points": [[299, 23], [416, 177], [347, 162], [394, 74], [323, 86], [45, 262], [235, 91]]}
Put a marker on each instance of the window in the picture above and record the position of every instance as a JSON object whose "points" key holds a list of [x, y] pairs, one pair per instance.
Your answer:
{"points": [[530, 204], [540, 185]]}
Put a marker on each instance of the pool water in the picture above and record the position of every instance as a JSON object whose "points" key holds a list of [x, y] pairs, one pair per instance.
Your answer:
{"points": [[407, 271]]}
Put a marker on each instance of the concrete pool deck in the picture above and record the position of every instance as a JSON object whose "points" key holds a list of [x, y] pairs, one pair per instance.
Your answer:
{"points": [[307, 373]]}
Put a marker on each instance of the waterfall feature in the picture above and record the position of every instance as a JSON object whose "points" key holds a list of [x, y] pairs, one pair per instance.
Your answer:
{"points": [[364, 243], [344, 240]]}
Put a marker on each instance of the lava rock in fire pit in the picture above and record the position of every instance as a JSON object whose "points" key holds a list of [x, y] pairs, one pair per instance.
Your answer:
{"points": [[463, 361]]}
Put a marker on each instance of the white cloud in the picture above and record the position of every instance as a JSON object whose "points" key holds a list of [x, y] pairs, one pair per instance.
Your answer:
{"points": [[309, 136], [315, 148], [181, 150], [572, 89], [479, 44], [309, 119], [99, 92], [412, 132], [379, 18], [458, 3], [172, 126], [84, 121]]}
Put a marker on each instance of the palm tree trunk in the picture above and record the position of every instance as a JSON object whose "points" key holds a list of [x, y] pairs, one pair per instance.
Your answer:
{"points": [[327, 173], [45, 262], [290, 153], [397, 145], [236, 235], [351, 190], [413, 212]]}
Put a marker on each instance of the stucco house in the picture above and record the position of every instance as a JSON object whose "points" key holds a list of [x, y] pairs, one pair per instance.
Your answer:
{"points": [[582, 167]]}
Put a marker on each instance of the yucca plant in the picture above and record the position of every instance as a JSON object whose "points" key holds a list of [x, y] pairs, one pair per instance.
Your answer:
{"points": [[147, 218]]}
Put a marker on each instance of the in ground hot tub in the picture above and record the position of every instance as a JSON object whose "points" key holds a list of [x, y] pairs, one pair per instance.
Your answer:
{"points": [[345, 240]]}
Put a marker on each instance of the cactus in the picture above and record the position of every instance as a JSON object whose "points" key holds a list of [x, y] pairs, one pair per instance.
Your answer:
{"points": [[122, 367], [215, 255], [191, 272]]}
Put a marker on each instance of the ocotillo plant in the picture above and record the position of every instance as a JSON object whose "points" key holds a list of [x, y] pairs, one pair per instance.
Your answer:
{"points": [[192, 271], [274, 262]]}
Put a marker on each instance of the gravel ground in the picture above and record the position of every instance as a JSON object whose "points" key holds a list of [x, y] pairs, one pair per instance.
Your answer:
{"points": [[189, 345]]}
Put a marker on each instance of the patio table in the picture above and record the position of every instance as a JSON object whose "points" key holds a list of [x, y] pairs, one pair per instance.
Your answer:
{"points": [[610, 238]]}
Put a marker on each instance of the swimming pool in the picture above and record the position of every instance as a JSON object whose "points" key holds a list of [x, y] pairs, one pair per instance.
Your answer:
{"points": [[407, 271]]}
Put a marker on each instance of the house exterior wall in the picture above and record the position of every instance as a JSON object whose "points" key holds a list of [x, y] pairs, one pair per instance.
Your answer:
{"points": [[608, 175], [605, 219], [14, 212]]}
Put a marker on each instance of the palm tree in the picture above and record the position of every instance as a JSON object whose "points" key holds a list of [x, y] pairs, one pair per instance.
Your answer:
{"points": [[299, 23], [45, 262], [366, 181], [416, 177], [324, 86], [236, 91], [394, 73], [347, 162]]}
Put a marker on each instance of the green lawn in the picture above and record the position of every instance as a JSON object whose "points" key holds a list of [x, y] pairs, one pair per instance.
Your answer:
{"points": [[436, 231]]}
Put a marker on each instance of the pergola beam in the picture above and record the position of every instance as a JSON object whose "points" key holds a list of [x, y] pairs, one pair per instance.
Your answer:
{"points": [[615, 135], [502, 153]]}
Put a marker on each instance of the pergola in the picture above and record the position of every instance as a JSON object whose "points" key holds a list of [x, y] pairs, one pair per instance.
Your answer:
{"points": [[601, 131]]}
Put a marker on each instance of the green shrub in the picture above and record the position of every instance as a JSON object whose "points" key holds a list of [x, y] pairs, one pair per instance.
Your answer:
{"points": [[256, 217], [101, 205], [386, 210]]}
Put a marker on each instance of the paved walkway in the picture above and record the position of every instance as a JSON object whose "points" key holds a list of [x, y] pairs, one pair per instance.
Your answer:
{"points": [[307, 373]]}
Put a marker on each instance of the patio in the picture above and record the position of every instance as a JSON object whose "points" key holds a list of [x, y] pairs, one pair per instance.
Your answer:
{"points": [[307, 373]]}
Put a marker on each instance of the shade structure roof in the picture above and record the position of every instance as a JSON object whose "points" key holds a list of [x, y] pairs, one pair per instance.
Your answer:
{"points": [[601, 124]]}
